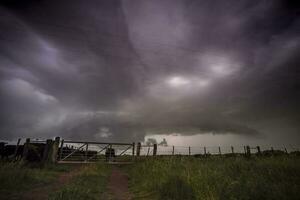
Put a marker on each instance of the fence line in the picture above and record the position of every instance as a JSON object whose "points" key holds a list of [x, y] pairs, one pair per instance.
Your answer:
{"points": [[80, 150]]}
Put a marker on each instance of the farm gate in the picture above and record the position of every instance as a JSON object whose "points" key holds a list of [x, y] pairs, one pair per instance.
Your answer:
{"points": [[79, 151]]}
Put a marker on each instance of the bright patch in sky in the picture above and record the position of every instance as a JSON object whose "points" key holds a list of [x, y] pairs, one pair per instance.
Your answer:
{"points": [[178, 81]]}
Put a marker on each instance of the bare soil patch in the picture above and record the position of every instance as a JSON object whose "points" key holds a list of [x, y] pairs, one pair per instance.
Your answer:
{"points": [[118, 185]]}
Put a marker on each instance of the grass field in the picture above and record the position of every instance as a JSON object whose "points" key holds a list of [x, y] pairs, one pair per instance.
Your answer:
{"points": [[16, 178], [89, 184], [164, 178], [216, 178]]}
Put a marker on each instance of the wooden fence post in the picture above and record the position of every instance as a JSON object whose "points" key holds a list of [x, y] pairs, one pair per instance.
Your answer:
{"points": [[173, 150], [258, 150], [47, 150], [220, 150], [248, 151], [61, 150], [54, 150], [272, 150], [86, 151], [285, 150], [138, 149], [245, 151], [189, 151], [110, 152], [232, 150], [204, 151], [26, 148], [133, 148], [154, 149], [16, 150], [2, 146]]}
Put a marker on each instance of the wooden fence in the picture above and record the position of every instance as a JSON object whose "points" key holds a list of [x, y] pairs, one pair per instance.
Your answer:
{"points": [[58, 150]]}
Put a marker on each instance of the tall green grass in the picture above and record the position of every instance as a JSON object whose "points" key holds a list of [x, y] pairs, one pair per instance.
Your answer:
{"points": [[15, 178], [216, 178], [89, 184]]}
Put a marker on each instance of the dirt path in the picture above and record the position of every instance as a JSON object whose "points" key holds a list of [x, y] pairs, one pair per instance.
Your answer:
{"points": [[42, 192], [118, 185]]}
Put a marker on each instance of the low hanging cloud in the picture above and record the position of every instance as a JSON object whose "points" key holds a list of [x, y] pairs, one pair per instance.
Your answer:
{"points": [[121, 70]]}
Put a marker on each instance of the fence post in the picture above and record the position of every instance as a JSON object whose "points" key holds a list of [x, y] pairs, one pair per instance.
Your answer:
{"points": [[61, 149], [173, 150], [245, 151], [154, 149], [138, 149], [26, 148], [16, 150], [285, 150], [54, 150], [2, 145], [204, 151], [86, 151], [189, 151], [47, 150], [272, 150], [110, 151], [232, 150], [133, 148], [248, 151], [258, 150], [220, 150]]}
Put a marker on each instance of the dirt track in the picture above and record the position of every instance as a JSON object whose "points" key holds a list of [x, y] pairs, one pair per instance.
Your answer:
{"points": [[118, 185]]}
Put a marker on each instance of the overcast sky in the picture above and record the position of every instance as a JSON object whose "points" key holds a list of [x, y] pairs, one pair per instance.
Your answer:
{"points": [[120, 70]]}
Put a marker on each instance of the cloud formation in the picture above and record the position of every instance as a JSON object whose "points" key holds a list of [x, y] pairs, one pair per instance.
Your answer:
{"points": [[120, 70]]}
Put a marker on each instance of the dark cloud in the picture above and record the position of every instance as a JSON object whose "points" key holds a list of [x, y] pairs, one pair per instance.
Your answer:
{"points": [[120, 70]]}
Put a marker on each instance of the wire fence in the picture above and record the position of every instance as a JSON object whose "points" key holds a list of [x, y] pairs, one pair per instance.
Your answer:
{"points": [[147, 150], [96, 151]]}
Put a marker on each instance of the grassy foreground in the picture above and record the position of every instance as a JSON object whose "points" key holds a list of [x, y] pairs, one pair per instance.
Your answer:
{"points": [[89, 184], [16, 178], [216, 178]]}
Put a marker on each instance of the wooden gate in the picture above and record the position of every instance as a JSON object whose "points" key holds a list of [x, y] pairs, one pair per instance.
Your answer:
{"points": [[83, 152]]}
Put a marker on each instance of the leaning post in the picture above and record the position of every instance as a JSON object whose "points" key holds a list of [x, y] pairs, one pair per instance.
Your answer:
{"points": [[232, 150], [17, 147], [258, 150]]}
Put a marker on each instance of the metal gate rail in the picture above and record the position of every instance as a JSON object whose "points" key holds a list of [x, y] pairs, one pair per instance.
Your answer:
{"points": [[86, 151]]}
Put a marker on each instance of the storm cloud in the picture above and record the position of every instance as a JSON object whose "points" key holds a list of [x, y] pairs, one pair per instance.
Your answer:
{"points": [[120, 70]]}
